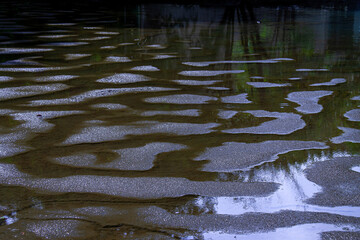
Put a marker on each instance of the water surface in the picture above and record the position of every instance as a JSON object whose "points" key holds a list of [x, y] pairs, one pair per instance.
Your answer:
{"points": [[179, 122]]}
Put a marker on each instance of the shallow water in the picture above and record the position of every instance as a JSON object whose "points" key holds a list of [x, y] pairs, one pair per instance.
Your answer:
{"points": [[179, 122]]}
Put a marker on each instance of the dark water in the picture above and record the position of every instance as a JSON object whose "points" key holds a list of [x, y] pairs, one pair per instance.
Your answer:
{"points": [[179, 122]]}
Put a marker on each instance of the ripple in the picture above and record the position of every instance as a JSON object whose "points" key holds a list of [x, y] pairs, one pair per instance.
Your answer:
{"points": [[234, 156], [208, 73], [240, 99], [267, 84], [308, 100], [349, 135], [284, 124], [333, 82], [124, 78], [181, 99]]}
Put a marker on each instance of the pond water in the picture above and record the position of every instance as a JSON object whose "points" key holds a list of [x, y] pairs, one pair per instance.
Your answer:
{"points": [[179, 122]]}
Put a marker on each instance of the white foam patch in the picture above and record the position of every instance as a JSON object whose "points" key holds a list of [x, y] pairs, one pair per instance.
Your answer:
{"points": [[129, 187], [284, 124], [240, 99], [234, 156], [124, 78], [188, 112], [349, 135], [55, 78], [64, 44], [130, 159], [112, 133], [108, 47], [181, 99], [24, 50], [94, 38], [61, 24], [218, 88], [206, 64], [125, 44], [93, 28], [117, 59], [333, 82], [32, 69], [11, 149], [312, 70], [226, 114], [56, 36], [107, 33], [155, 46], [25, 91], [267, 84], [93, 94], [353, 115], [75, 56], [308, 100], [146, 68], [163, 56], [208, 73], [109, 106], [6, 79], [196, 82], [298, 232]]}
